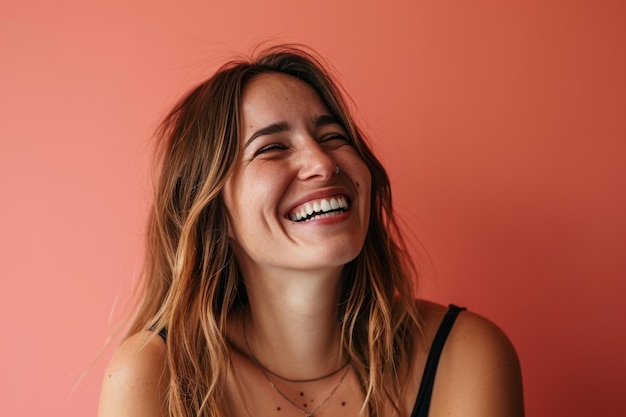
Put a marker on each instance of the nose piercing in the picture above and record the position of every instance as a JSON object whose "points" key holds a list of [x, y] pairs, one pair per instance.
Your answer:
{"points": [[337, 170]]}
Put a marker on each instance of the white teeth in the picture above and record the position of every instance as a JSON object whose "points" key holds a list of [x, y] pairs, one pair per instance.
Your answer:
{"points": [[320, 208]]}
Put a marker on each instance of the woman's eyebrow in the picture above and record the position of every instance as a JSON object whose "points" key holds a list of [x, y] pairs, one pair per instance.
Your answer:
{"points": [[268, 130], [326, 119]]}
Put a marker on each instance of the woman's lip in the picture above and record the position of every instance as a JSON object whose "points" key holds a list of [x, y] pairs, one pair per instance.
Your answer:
{"points": [[317, 195]]}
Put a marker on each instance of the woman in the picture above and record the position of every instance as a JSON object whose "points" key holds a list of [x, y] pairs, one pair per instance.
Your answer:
{"points": [[277, 283]]}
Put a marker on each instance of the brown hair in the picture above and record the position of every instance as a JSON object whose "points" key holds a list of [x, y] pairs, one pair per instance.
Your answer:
{"points": [[192, 282]]}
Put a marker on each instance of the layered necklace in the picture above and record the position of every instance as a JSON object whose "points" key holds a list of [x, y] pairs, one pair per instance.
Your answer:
{"points": [[265, 371]]}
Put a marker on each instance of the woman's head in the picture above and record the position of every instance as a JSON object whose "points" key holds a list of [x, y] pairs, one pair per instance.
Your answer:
{"points": [[203, 142], [193, 279], [299, 195]]}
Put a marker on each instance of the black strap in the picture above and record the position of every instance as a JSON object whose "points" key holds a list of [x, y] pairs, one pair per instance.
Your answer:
{"points": [[422, 404]]}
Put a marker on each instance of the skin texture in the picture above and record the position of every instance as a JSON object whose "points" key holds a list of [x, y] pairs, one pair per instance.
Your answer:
{"points": [[135, 380], [292, 269], [292, 273], [282, 169], [478, 374]]}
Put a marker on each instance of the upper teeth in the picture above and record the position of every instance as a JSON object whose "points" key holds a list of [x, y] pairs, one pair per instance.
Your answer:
{"points": [[321, 206]]}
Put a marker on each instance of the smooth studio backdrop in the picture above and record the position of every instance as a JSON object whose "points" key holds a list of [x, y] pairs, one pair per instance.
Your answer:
{"points": [[501, 124]]}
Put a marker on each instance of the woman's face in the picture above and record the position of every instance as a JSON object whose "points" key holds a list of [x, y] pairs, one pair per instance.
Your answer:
{"points": [[288, 208]]}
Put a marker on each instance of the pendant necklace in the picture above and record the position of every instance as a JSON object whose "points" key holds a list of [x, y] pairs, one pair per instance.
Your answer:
{"points": [[265, 371]]}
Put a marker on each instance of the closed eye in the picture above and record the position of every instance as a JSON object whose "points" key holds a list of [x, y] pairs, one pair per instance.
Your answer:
{"points": [[270, 147], [332, 136], [334, 140]]}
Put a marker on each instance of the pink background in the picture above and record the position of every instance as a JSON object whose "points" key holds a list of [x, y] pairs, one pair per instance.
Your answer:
{"points": [[502, 125]]}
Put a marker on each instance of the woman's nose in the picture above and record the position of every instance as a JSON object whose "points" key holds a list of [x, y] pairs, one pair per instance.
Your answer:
{"points": [[316, 163]]}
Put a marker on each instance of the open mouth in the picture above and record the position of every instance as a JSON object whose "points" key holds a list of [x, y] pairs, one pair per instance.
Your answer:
{"points": [[319, 209]]}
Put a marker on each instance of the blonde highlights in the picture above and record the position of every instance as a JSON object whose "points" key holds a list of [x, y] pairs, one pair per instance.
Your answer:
{"points": [[192, 283]]}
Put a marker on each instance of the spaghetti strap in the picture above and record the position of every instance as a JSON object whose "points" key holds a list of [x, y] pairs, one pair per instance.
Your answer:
{"points": [[422, 403]]}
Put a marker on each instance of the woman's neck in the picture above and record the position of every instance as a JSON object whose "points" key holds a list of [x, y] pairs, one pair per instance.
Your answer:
{"points": [[292, 325]]}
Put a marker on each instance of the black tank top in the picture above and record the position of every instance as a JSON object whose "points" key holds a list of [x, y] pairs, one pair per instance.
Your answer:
{"points": [[422, 403]]}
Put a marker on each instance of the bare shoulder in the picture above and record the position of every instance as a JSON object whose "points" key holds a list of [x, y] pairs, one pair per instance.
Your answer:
{"points": [[479, 371], [135, 379]]}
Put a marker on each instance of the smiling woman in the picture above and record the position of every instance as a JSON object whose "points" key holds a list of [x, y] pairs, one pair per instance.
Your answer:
{"points": [[297, 159], [277, 282]]}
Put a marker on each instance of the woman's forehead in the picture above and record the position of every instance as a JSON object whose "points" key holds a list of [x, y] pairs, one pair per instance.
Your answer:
{"points": [[271, 96]]}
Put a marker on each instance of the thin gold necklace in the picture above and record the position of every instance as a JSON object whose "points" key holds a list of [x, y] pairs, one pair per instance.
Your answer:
{"points": [[264, 371], [300, 381]]}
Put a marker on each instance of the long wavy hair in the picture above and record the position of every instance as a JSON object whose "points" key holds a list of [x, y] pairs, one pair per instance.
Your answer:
{"points": [[191, 281]]}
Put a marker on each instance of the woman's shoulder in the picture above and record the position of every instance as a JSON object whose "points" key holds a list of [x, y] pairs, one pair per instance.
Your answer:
{"points": [[479, 368], [470, 331], [136, 377]]}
